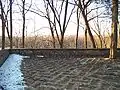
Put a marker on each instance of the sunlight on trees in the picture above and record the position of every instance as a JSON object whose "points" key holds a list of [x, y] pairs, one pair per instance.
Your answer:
{"points": [[93, 16]]}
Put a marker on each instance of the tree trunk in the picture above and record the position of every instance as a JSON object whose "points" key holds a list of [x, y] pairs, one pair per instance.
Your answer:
{"points": [[77, 37], [85, 38], [64, 25], [86, 23], [53, 37], [51, 28], [7, 26], [23, 33], [113, 46], [100, 38], [3, 34], [89, 31], [11, 42], [62, 41], [3, 26], [78, 23]]}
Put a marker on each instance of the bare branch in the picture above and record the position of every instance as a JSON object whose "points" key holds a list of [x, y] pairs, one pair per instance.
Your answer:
{"points": [[70, 17], [29, 7], [95, 9], [65, 16], [95, 16], [61, 7]]}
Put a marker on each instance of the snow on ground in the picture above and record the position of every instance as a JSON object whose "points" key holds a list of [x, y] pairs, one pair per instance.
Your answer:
{"points": [[10, 73]]}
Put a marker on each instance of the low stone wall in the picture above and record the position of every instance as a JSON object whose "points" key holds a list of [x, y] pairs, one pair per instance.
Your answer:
{"points": [[59, 53], [3, 56], [56, 53]]}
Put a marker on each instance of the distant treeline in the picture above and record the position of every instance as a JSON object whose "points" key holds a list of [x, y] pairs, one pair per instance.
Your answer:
{"points": [[46, 42]]}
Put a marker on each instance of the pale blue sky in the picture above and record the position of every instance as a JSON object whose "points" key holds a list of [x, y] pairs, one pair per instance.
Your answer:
{"points": [[40, 25]]}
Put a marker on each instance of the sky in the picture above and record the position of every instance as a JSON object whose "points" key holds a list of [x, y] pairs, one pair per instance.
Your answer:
{"points": [[36, 25], [40, 24]]}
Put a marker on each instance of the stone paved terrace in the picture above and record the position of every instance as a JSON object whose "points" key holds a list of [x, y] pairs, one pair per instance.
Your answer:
{"points": [[44, 73]]}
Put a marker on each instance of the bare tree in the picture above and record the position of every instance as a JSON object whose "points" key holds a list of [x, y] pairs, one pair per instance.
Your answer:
{"points": [[24, 19], [5, 9], [86, 38], [23, 11], [3, 25], [113, 47], [6, 24], [83, 7], [57, 18], [51, 24], [11, 31], [23, 16], [47, 15], [78, 24]]}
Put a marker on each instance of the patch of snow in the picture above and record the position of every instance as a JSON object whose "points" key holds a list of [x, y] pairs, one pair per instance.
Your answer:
{"points": [[26, 56], [10, 73], [40, 56]]}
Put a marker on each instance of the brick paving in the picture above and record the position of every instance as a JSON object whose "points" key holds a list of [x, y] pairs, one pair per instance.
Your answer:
{"points": [[71, 73]]}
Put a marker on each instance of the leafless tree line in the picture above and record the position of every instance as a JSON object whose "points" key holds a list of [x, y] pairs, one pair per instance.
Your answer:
{"points": [[58, 14]]}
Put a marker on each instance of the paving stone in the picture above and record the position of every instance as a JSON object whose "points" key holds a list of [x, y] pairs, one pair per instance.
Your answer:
{"points": [[71, 73]]}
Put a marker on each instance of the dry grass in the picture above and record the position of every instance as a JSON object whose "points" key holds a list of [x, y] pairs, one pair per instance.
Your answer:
{"points": [[46, 42]]}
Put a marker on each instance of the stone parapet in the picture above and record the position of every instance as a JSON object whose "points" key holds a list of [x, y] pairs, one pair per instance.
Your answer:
{"points": [[3, 56], [62, 53]]}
